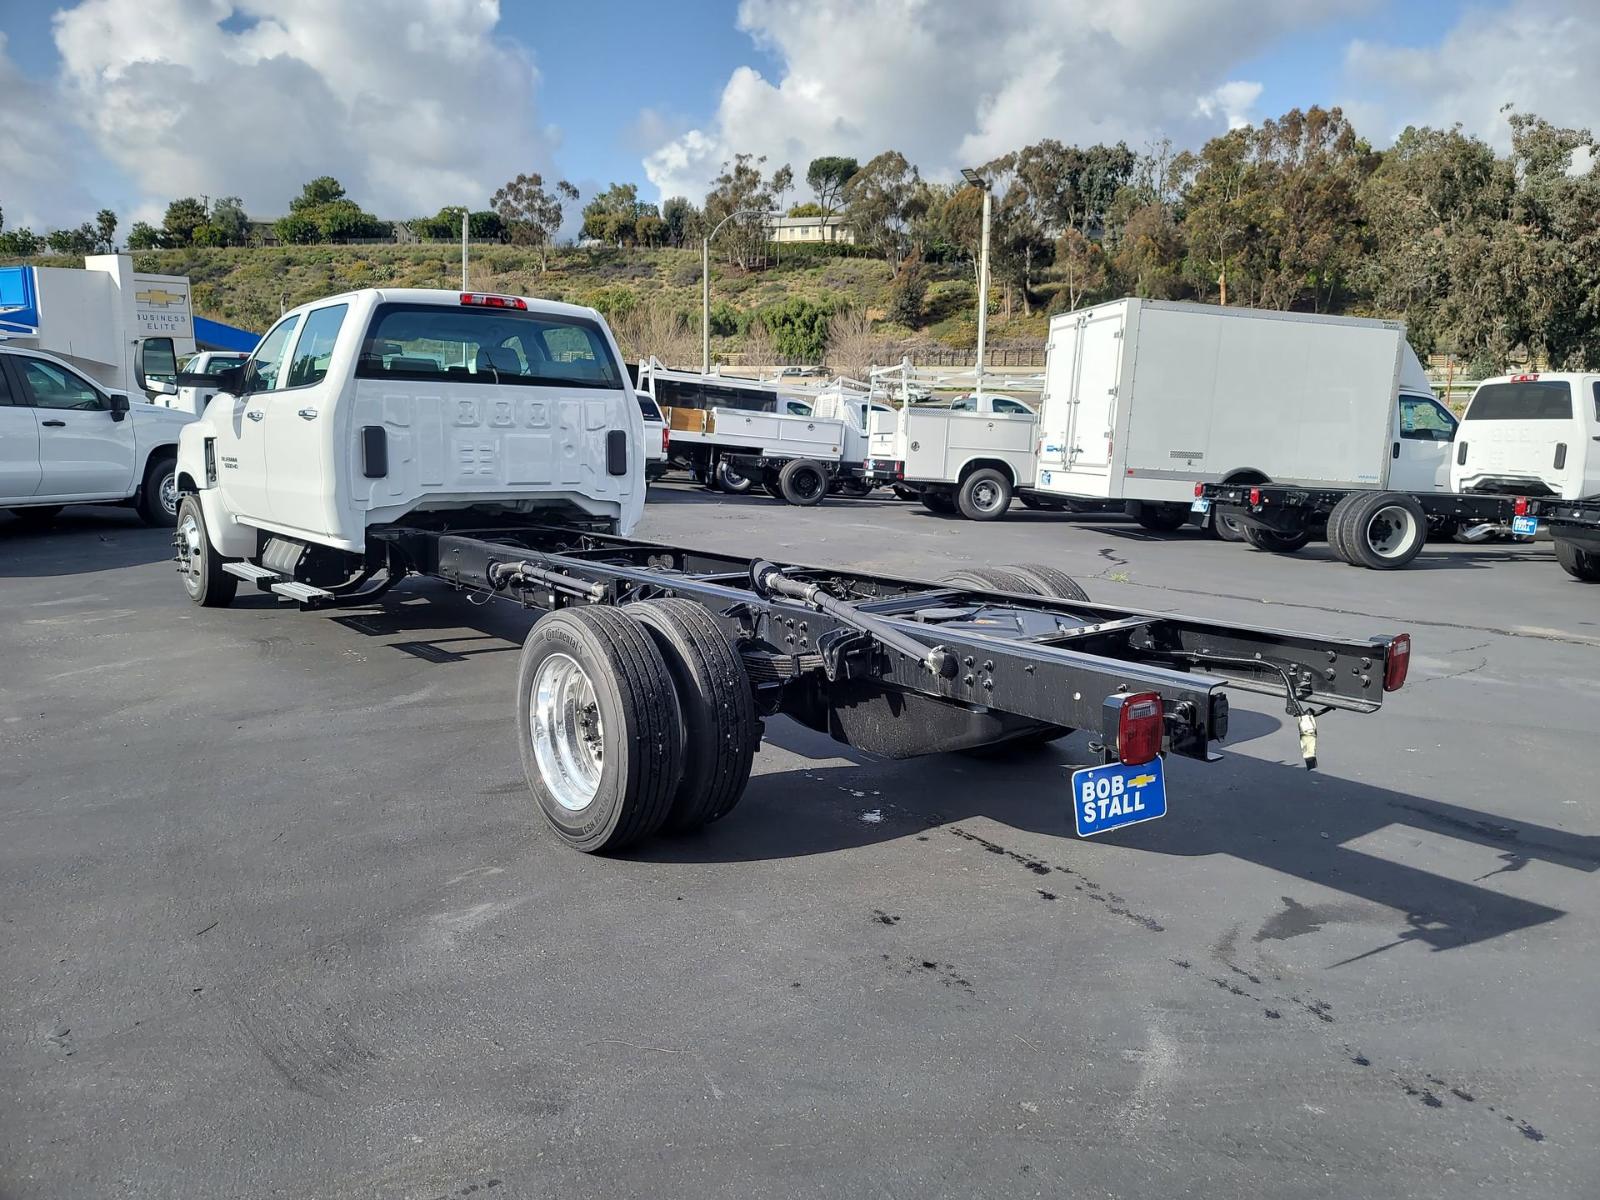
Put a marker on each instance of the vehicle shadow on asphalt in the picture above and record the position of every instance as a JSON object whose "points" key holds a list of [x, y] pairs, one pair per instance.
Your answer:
{"points": [[89, 538], [1278, 817]]}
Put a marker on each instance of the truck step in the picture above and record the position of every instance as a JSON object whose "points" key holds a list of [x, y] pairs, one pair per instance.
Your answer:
{"points": [[303, 594], [250, 573]]}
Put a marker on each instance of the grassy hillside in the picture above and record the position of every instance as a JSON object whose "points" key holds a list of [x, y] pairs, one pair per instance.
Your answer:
{"points": [[651, 296]]}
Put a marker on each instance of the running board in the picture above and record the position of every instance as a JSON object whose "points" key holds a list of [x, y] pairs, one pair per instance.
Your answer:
{"points": [[304, 594]]}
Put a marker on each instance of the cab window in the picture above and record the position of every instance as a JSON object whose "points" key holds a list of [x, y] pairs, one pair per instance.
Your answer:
{"points": [[315, 347], [1522, 400], [1423, 419], [480, 345], [261, 373], [1002, 405], [51, 386]]}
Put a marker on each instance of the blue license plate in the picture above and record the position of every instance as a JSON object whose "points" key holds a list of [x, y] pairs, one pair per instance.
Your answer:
{"points": [[1525, 525], [1200, 506], [1116, 794]]}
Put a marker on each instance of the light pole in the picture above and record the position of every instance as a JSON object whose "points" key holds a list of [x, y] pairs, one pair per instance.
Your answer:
{"points": [[705, 284], [982, 184], [463, 247]]}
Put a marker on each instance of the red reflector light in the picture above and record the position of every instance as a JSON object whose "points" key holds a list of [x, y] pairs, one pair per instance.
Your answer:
{"points": [[1397, 662], [1139, 728], [1520, 508], [1255, 495], [1199, 489], [1530, 378], [487, 300]]}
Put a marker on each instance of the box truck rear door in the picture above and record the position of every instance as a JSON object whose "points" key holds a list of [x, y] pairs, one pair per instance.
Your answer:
{"points": [[1094, 396]]}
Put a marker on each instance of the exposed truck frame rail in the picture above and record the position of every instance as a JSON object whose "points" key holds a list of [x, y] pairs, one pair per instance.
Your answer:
{"points": [[1574, 526], [1365, 527], [895, 666]]}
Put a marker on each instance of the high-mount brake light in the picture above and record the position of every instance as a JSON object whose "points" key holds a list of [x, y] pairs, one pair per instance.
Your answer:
{"points": [[1255, 495], [1139, 728], [489, 300], [1397, 662], [1531, 377]]}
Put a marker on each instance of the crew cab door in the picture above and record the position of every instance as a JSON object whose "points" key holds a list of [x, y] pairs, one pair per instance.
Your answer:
{"points": [[241, 444], [298, 424], [19, 443], [1419, 452], [83, 451]]}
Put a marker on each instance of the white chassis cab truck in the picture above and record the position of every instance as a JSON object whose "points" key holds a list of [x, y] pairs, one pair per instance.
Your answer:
{"points": [[494, 443]]}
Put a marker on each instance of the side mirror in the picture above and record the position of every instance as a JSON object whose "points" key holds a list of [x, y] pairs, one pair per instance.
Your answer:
{"points": [[230, 380], [155, 366], [119, 405]]}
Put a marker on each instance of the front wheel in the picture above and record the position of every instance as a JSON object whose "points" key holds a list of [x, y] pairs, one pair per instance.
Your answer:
{"points": [[1580, 564], [207, 583], [985, 495], [599, 728], [938, 502], [1159, 518], [731, 481], [158, 497]]}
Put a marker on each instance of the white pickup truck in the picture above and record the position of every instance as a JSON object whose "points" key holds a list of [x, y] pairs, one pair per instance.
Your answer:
{"points": [[66, 440], [970, 454], [199, 380], [362, 409]]}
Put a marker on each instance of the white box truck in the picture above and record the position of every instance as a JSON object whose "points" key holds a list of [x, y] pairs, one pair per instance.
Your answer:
{"points": [[1144, 399]]}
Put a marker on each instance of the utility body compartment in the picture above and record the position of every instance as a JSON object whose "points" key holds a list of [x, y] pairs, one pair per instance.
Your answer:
{"points": [[1143, 399]]}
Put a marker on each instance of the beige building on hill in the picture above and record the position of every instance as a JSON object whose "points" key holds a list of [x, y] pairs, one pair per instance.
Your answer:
{"points": [[810, 229]]}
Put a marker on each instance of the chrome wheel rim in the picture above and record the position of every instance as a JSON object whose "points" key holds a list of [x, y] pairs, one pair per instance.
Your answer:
{"points": [[188, 541], [1390, 531], [567, 732], [168, 492]]}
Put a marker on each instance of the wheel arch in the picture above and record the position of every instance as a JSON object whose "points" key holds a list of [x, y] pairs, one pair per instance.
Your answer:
{"points": [[977, 464]]}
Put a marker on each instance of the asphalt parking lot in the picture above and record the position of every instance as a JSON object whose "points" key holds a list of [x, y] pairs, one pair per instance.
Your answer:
{"points": [[280, 920]]}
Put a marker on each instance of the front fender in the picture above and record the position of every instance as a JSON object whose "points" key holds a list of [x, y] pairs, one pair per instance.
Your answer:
{"points": [[228, 537]]}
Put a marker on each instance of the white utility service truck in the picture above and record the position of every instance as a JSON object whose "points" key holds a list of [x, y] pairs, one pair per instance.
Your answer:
{"points": [[493, 443], [1144, 399]]}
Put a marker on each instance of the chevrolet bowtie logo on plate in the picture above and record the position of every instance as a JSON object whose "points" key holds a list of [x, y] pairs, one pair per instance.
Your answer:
{"points": [[160, 296]]}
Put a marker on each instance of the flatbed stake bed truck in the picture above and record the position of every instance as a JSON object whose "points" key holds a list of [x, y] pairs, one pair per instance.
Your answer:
{"points": [[492, 443]]}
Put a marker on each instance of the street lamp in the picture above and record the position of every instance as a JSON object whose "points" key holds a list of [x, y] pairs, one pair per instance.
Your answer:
{"points": [[978, 181], [463, 246], [705, 284]]}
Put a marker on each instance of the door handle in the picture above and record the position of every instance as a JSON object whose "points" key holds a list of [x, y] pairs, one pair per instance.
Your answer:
{"points": [[255, 414], [309, 414], [54, 424]]}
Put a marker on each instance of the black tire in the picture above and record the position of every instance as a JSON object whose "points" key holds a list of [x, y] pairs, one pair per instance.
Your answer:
{"points": [[984, 495], [1384, 531], [803, 482], [991, 579], [641, 730], [1225, 528], [1158, 518], [39, 516], [856, 489], [731, 481], [901, 492], [158, 494], [720, 729], [770, 486], [1339, 527], [207, 584], [1045, 580], [938, 502], [1274, 542], [1580, 564]]}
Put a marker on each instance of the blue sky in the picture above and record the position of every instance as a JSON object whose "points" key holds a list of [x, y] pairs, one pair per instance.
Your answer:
{"points": [[636, 91]]}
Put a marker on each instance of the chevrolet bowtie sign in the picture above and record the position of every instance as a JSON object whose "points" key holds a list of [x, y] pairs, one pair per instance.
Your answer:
{"points": [[160, 297], [161, 307]]}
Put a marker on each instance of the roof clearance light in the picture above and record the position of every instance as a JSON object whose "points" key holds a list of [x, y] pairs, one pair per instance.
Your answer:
{"points": [[1397, 662], [1139, 728], [487, 300]]}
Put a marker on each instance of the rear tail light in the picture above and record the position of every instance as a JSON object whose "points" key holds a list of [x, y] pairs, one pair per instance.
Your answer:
{"points": [[1255, 495], [1139, 728], [1397, 662], [488, 300], [1199, 489], [665, 438], [1520, 507]]}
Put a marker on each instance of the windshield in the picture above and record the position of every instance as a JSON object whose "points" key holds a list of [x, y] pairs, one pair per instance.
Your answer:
{"points": [[1529, 400], [486, 345]]}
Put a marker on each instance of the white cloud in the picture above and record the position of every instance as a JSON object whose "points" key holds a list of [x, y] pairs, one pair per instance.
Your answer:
{"points": [[950, 84], [1538, 55], [411, 104], [40, 155], [1234, 101]]}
